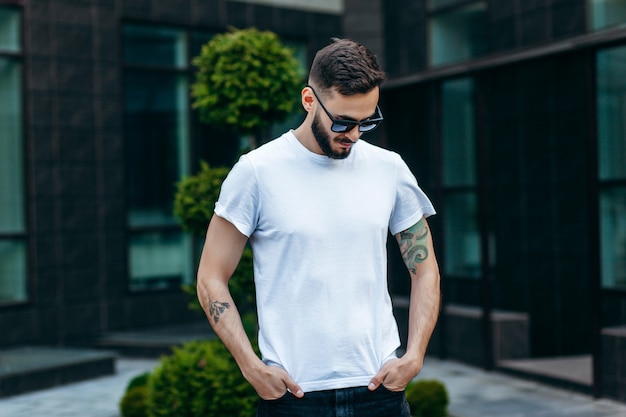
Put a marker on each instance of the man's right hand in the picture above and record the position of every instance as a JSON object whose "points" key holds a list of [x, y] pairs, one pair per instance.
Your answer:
{"points": [[272, 382]]}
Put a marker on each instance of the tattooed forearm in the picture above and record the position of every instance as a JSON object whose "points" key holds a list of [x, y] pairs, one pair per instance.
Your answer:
{"points": [[413, 245], [216, 309]]}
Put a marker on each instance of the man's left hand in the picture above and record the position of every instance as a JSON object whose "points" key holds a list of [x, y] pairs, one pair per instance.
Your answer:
{"points": [[396, 374]]}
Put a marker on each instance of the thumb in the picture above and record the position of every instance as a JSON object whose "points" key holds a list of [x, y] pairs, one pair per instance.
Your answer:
{"points": [[375, 382], [293, 387]]}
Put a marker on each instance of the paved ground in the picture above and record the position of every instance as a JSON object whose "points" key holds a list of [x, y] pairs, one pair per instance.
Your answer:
{"points": [[473, 393], [98, 397]]}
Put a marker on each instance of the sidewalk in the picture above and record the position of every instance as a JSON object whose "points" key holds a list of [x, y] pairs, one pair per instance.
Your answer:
{"points": [[97, 397], [476, 393], [473, 393]]}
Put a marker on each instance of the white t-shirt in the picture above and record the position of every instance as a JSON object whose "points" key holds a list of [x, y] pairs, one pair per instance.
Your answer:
{"points": [[318, 229]]}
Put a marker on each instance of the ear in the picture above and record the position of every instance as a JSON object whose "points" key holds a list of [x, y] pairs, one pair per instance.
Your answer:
{"points": [[307, 99]]}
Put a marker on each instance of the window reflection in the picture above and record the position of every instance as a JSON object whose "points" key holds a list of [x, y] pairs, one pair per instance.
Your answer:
{"points": [[611, 102], [462, 235], [156, 131], [9, 29], [607, 13], [458, 33], [12, 206], [458, 132]]}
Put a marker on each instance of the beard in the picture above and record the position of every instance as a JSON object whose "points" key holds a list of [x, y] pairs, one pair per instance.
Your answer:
{"points": [[325, 142]]}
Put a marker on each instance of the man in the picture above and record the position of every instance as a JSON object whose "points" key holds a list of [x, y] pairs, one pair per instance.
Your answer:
{"points": [[316, 205]]}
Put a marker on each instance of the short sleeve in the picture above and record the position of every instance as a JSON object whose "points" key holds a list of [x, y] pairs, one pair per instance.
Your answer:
{"points": [[238, 201], [411, 203]]}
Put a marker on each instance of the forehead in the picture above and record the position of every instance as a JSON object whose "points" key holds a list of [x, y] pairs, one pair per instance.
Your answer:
{"points": [[356, 107]]}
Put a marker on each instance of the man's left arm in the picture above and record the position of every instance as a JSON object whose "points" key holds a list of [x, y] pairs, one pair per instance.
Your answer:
{"points": [[416, 247]]}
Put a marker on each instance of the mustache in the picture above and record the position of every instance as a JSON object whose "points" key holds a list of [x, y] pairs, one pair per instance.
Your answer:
{"points": [[346, 140]]}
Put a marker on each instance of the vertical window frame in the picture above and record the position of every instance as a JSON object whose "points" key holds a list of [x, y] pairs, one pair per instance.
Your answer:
{"points": [[611, 180], [453, 189], [166, 229], [19, 235]]}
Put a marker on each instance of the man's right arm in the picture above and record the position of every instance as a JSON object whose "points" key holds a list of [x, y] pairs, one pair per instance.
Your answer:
{"points": [[222, 251]]}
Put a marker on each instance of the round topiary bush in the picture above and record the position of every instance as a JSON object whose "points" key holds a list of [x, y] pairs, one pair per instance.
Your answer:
{"points": [[200, 379], [427, 398], [246, 80], [133, 403]]}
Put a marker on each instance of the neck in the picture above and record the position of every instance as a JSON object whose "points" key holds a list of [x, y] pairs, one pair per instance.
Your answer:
{"points": [[305, 136]]}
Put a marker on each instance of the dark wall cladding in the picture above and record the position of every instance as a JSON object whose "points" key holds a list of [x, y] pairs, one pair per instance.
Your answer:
{"points": [[75, 159], [406, 46], [537, 123]]}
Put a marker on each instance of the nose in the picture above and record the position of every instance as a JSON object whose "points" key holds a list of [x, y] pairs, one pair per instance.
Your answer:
{"points": [[353, 134]]}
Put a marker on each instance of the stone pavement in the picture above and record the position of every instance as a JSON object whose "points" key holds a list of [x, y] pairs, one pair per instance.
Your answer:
{"points": [[473, 393], [476, 393], [97, 397]]}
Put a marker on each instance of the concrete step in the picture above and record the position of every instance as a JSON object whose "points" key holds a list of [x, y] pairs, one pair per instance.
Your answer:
{"points": [[153, 342], [31, 368]]}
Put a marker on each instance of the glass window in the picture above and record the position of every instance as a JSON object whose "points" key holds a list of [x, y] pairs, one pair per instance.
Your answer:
{"points": [[462, 235], [461, 232], [11, 178], [458, 134], [155, 46], [611, 83], [12, 207], [12, 270], [157, 140], [9, 29], [611, 115], [459, 33], [607, 13], [159, 259], [156, 131], [613, 237]]}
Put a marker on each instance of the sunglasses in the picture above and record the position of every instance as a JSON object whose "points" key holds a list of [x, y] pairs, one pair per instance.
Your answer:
{"points": [[343, 126]]}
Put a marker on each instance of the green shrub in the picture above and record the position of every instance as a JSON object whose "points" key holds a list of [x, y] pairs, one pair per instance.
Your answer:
{"points": [[427, 398], [139, 381], [196, 196], [200, 379], [246, 80], [133, 403]]}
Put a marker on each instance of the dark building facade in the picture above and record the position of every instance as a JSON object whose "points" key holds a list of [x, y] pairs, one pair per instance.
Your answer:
{"points": [[512, 114], [95, 128]]}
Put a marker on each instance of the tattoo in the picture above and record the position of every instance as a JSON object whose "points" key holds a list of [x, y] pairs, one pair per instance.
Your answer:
{"points": [[413, 245], [216, 309]]}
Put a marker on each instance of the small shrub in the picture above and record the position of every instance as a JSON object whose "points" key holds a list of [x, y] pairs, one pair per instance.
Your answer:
{"points": [[200, 378], [427, 398], [139, 381], [196, 196], [133, 403]]}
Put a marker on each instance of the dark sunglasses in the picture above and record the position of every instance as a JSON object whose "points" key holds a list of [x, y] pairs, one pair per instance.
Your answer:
{"points": [[343, 126]]}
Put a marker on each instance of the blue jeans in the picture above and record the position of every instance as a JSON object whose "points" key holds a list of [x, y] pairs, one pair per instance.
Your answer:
{"points": [[348, 402]]}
